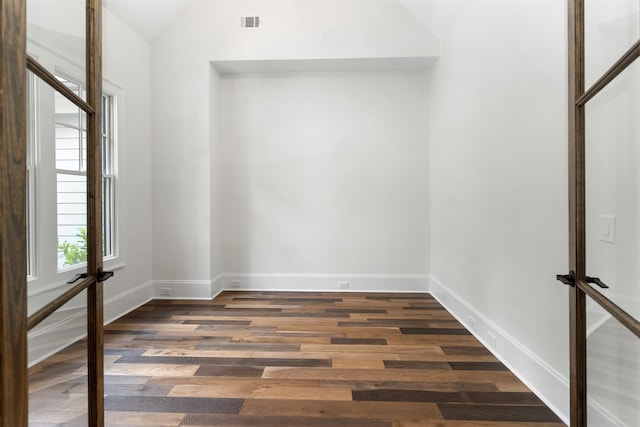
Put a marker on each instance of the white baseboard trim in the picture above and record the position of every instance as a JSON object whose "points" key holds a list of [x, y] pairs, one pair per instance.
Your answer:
{"points": [[599, 416], [70, 325], [182, 289], [126, 302], [551, 387], [209, 289], [326, 282], [216, 285]]}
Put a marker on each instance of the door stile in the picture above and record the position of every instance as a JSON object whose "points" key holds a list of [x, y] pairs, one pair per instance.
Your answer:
{"points": [[577, 215], [95, 297], [13, 205]]}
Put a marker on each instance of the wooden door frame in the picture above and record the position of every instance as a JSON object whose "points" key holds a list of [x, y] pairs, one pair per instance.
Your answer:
{"points": [[13, 211], [95, 296], [577, 215], [578, 98], [14, 323]]}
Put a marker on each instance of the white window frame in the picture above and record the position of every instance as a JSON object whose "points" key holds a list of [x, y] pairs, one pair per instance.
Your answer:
{"points": [[109, 209], [32, 137], [45, 279], [77, 170]]}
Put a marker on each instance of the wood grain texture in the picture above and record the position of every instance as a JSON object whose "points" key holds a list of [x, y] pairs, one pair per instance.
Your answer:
{"points": [[13, 202], [577, 213], [271, 371], [95, 293]]}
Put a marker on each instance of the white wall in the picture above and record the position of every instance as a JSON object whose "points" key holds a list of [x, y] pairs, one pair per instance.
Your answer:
{"points": [[186, 182], [126, 71], [325, 173], [126, 63], [498, 162]]}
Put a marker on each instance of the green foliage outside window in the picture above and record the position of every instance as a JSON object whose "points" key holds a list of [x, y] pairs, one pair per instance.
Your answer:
{"points": [[75, 253]]}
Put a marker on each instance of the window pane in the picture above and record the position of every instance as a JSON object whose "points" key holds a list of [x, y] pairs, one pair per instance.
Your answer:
{"points": [[107, 216], [107, 134], [72, 219], [611, 28], [31, 123], [56, 33], [71, 135], [612, 154], [83, 153], [108, 194], [58, 384], [71, 156], [68, 148], [613, 370], [66, 112]]}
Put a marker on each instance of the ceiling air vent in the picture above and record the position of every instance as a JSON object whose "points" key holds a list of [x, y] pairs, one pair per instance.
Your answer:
{"points": [[250, 22]]}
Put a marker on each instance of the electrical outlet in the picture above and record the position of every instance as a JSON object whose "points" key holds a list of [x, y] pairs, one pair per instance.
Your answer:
{"points": [[491, 340], [165, 292], [236, 284], [343, 285]]}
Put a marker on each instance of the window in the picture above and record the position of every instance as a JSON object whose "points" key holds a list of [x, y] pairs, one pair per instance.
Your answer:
{"points": [[31, 137], [108, 174], [71, 175], [57, 177]]}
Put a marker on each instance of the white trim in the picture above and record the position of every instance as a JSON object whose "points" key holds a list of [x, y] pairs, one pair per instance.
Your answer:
{"points": [[124, 303], [209, 289], [549, 385], [216, 285], [596, 318], [59, 338], [79, 312], [183, 289], [56, 335], [598, 415], [326, 282]]}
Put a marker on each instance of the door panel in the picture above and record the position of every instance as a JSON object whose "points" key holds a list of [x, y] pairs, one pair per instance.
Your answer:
{"points": [[611, 27], [66, 297], [58, 384], [612, 186], [57, 183], [613, 371], [56, 34], [604, 195]]}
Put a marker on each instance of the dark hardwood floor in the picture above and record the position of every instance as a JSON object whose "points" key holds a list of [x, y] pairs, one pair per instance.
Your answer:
{"points": [[289, 360]]}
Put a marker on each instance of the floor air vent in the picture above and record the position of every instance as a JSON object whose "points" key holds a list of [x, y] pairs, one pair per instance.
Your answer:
{"points": [[250, 22]]}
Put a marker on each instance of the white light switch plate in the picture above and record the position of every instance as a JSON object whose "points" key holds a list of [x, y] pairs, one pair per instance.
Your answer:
{"points": [[607, 228]]}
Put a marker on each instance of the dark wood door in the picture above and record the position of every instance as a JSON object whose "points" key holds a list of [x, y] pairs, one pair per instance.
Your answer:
{"points": [[604, 136], [14, 322]]}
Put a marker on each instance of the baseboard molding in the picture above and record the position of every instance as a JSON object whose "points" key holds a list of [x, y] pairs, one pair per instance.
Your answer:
{"points": [[599, 416], [216, 285], [326, 282], [209, 289], [551, 387], [124, 303], [183, 289], [64, 328]]}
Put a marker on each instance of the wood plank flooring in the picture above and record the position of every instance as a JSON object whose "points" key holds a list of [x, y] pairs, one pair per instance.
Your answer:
{"points": [[289, 360]]}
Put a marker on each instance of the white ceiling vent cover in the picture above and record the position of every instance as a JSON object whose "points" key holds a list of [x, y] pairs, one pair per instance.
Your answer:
{"points": [[250, 22]]}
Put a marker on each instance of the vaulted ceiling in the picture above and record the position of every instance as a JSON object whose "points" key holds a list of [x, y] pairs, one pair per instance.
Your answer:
{"points": [[149, 17]]}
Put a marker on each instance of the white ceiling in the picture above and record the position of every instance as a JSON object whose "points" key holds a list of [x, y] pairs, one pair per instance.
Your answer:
{"points": [[146, 17], [149, 17]]}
